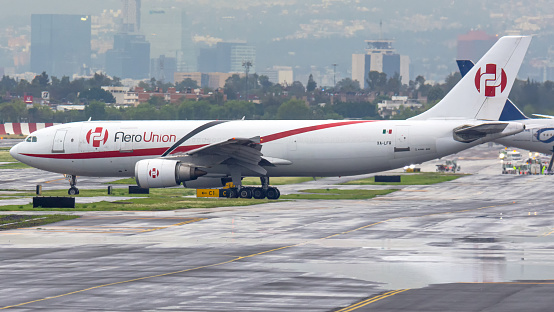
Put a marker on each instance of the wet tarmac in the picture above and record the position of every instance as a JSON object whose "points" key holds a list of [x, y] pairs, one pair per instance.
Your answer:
{"points": [[484, 242]]}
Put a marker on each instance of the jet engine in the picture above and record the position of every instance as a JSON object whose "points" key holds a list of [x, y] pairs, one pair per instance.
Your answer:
{"points": [[151, 173]]}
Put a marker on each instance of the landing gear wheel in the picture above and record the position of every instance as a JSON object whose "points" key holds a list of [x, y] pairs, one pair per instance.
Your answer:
{"points": [[245, 192], [273, 193], [233, 193], [258, 193], [73, 191]]}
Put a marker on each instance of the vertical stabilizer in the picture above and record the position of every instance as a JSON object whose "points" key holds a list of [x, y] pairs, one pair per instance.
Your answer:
{"points": [[510, 111], [483, 91]]}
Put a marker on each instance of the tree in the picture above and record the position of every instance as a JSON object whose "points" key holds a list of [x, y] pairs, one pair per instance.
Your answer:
{"points": [[157, 101], [12, 111], [186, 84], [355, 109], [96, 110], [294, 109], [7, 84], [41, 80], [97, 94], [348, 85], [297, 89], [377, 81], [265, 83], [394, 84], [233, 87], [451, 80], [310, 87], [436, 93]]}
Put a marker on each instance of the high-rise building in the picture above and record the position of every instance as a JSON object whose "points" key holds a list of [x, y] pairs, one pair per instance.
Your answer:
{"points": [[131, 16], [473, 45], [163, 68], [60, 44], [380, 56], [227, 57], [207, 60], [169, 34], [129, 58]]}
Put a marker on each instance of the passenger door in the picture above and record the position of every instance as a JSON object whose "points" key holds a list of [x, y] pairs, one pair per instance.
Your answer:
{"points": [[59, 140]]}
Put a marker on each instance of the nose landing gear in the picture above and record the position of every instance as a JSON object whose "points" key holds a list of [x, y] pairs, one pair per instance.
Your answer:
{"points": [[73, 190]]}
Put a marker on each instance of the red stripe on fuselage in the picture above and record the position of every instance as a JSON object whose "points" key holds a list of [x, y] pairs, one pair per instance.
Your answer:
{"points": [[284, 134], [182, 149]]}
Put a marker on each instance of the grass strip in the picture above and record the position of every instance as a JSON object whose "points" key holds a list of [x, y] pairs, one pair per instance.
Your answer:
{"points": [[146, 204], [245, 181], [335, 194], [14, 164], [10, 222], [425, 178]]}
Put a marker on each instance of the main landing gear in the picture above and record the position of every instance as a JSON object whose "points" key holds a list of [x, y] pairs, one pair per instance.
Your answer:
{"points": [[73, 190], [255, 192]]}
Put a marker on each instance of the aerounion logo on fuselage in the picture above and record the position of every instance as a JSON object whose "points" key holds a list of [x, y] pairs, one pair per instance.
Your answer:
{"points": [[146, 136]]}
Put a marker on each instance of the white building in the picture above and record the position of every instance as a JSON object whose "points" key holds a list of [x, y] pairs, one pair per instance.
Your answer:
{"points": [[282, 75], [392, 106], [381, 57]]}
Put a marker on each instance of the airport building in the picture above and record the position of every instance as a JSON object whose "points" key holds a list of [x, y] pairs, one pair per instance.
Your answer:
{"points": [[380, 56], [60, 44]]}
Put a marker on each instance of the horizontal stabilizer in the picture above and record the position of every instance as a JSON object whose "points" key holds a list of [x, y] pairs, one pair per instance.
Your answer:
{"points": [[470, 133], [544, 116]]}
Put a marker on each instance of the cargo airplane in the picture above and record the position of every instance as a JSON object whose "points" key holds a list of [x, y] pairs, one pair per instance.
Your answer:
{"points": [[208, 154], [538, 135]]}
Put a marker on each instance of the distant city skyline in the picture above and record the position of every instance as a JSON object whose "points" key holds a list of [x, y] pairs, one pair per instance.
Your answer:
{"points": [[308, 36]]}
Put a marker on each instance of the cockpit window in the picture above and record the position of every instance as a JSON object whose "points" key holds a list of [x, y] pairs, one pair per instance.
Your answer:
{"points": [[31, 139]]}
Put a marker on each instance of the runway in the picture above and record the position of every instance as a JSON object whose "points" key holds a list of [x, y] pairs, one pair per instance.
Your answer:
{"points": [[482, 242]]}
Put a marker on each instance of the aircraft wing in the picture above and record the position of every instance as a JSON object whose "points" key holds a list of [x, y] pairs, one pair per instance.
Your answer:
{"points": [[241, 152]]}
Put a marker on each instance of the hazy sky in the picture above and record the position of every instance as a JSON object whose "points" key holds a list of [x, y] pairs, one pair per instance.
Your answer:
{"points": [[323, 32]]}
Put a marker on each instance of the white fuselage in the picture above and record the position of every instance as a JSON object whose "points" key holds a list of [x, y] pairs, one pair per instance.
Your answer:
{"points": [[310, 147], [538, 136]]}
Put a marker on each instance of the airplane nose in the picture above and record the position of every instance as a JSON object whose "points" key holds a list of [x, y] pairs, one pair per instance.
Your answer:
{"points": [[13, 151]]}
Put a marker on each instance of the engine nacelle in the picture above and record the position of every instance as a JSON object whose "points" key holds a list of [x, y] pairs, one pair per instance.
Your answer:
{"points": [[152, 173]]}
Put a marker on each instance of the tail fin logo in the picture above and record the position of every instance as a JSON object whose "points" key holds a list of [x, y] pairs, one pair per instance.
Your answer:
{"points": [[97, 137], [488, 79]]}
